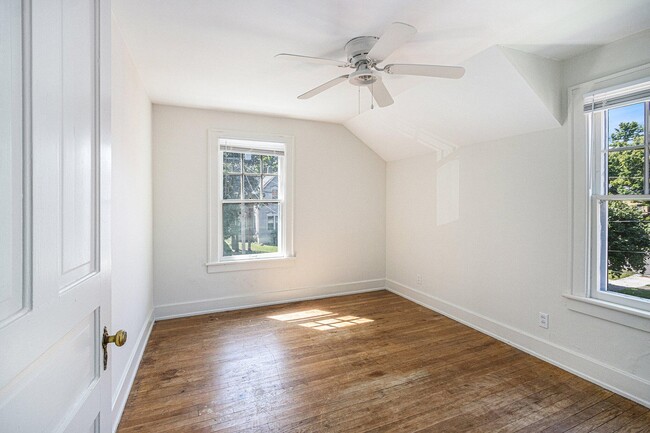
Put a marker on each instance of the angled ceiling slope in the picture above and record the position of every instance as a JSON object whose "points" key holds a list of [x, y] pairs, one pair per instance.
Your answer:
{"points": [[504, 93]]}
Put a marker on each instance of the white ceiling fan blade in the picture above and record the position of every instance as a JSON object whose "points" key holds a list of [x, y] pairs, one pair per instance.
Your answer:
{"points": [[426, 70], [380, 94], [331, 83], [308, 59], [396, 35]]}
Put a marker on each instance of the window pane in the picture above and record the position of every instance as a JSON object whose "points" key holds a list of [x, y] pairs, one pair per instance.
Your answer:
{"points": [[268, 234], [269, 164], [252, 163], [231, 228], [252, 187], [231, 162], [625, 171], [626, 126], [246, 229], [270, 187], [231, 186], [628, 248]]}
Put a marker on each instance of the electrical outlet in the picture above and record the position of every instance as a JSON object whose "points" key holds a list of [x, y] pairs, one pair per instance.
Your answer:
{"points": [[543, 320], [418, 278]]}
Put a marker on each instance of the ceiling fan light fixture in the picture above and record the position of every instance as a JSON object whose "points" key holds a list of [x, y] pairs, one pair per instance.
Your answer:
{"points": [[363, 76]]}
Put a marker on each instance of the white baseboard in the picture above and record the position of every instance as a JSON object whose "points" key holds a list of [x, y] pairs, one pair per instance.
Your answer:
{"points": [[126, 381], [184, 309], [607, 376]]}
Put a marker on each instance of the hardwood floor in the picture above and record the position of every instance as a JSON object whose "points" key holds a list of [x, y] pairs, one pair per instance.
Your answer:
{"points": [[372, 362]]}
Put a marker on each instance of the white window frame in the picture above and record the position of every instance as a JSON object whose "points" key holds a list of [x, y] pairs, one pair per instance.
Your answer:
{"points": [[217, 262], [599, 144], [586, 175]]}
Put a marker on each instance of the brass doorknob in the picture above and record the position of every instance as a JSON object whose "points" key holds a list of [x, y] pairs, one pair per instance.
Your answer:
{"points": [[118, 339]]}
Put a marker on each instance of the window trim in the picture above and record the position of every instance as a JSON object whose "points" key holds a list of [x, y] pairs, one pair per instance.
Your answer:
{"points": [[583, 218], [216, 261]]}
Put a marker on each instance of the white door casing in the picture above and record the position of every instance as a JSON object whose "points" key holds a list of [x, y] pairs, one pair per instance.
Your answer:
{"points": [[54, 217]]}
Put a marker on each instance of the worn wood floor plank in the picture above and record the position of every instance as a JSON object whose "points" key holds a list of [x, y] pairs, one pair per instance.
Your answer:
{"points": [[372, 362]]}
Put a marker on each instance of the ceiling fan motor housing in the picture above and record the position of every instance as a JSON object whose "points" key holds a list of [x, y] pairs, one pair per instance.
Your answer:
{"points": [[357, 49]]}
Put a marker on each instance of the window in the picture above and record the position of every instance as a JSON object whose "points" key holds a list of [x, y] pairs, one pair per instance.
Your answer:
{"points": [[619, 200], [272, 222], [250, 198]]}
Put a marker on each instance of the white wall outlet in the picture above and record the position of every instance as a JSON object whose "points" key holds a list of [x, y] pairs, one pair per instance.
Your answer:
{"points": [[418, 278], [543, 320]]}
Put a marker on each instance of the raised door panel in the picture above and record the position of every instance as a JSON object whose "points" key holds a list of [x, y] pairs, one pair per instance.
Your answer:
{"points": [[56, 384], [14, 289], [78, 145]]}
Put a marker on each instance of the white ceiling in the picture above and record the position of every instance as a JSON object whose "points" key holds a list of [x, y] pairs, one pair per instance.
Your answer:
{"points": [[219, 53]]}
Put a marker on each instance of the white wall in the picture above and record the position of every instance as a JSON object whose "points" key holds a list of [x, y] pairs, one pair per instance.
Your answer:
{"points": [[488, 229], [339, 214], [131, 237]]}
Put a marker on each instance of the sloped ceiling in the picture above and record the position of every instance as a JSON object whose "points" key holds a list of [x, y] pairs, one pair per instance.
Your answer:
{"points": [[219, 54], [503, 93]]}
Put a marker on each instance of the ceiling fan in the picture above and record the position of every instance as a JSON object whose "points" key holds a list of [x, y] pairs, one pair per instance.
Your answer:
{"points": [[364, 53]]}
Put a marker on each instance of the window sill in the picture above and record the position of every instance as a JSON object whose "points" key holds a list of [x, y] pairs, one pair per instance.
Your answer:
{"points": [[627, 316], [246, 265]]}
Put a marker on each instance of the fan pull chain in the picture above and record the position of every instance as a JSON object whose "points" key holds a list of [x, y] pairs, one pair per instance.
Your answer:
{"points": [[372, 96], [359, 99]]}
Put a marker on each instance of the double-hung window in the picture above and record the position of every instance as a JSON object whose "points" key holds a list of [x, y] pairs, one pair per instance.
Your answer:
{"points": [[618, 139], [250, 198]]}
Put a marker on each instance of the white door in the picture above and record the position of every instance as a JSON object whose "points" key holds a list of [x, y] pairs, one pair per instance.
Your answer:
{"points": [[54, 191]]}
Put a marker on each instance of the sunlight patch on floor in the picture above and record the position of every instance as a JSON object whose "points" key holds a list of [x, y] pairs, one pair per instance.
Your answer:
{"points": [[300, 315], [320, 320]]}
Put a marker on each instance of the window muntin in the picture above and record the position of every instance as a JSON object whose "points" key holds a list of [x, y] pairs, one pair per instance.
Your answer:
{"points": [[621, 202]]}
